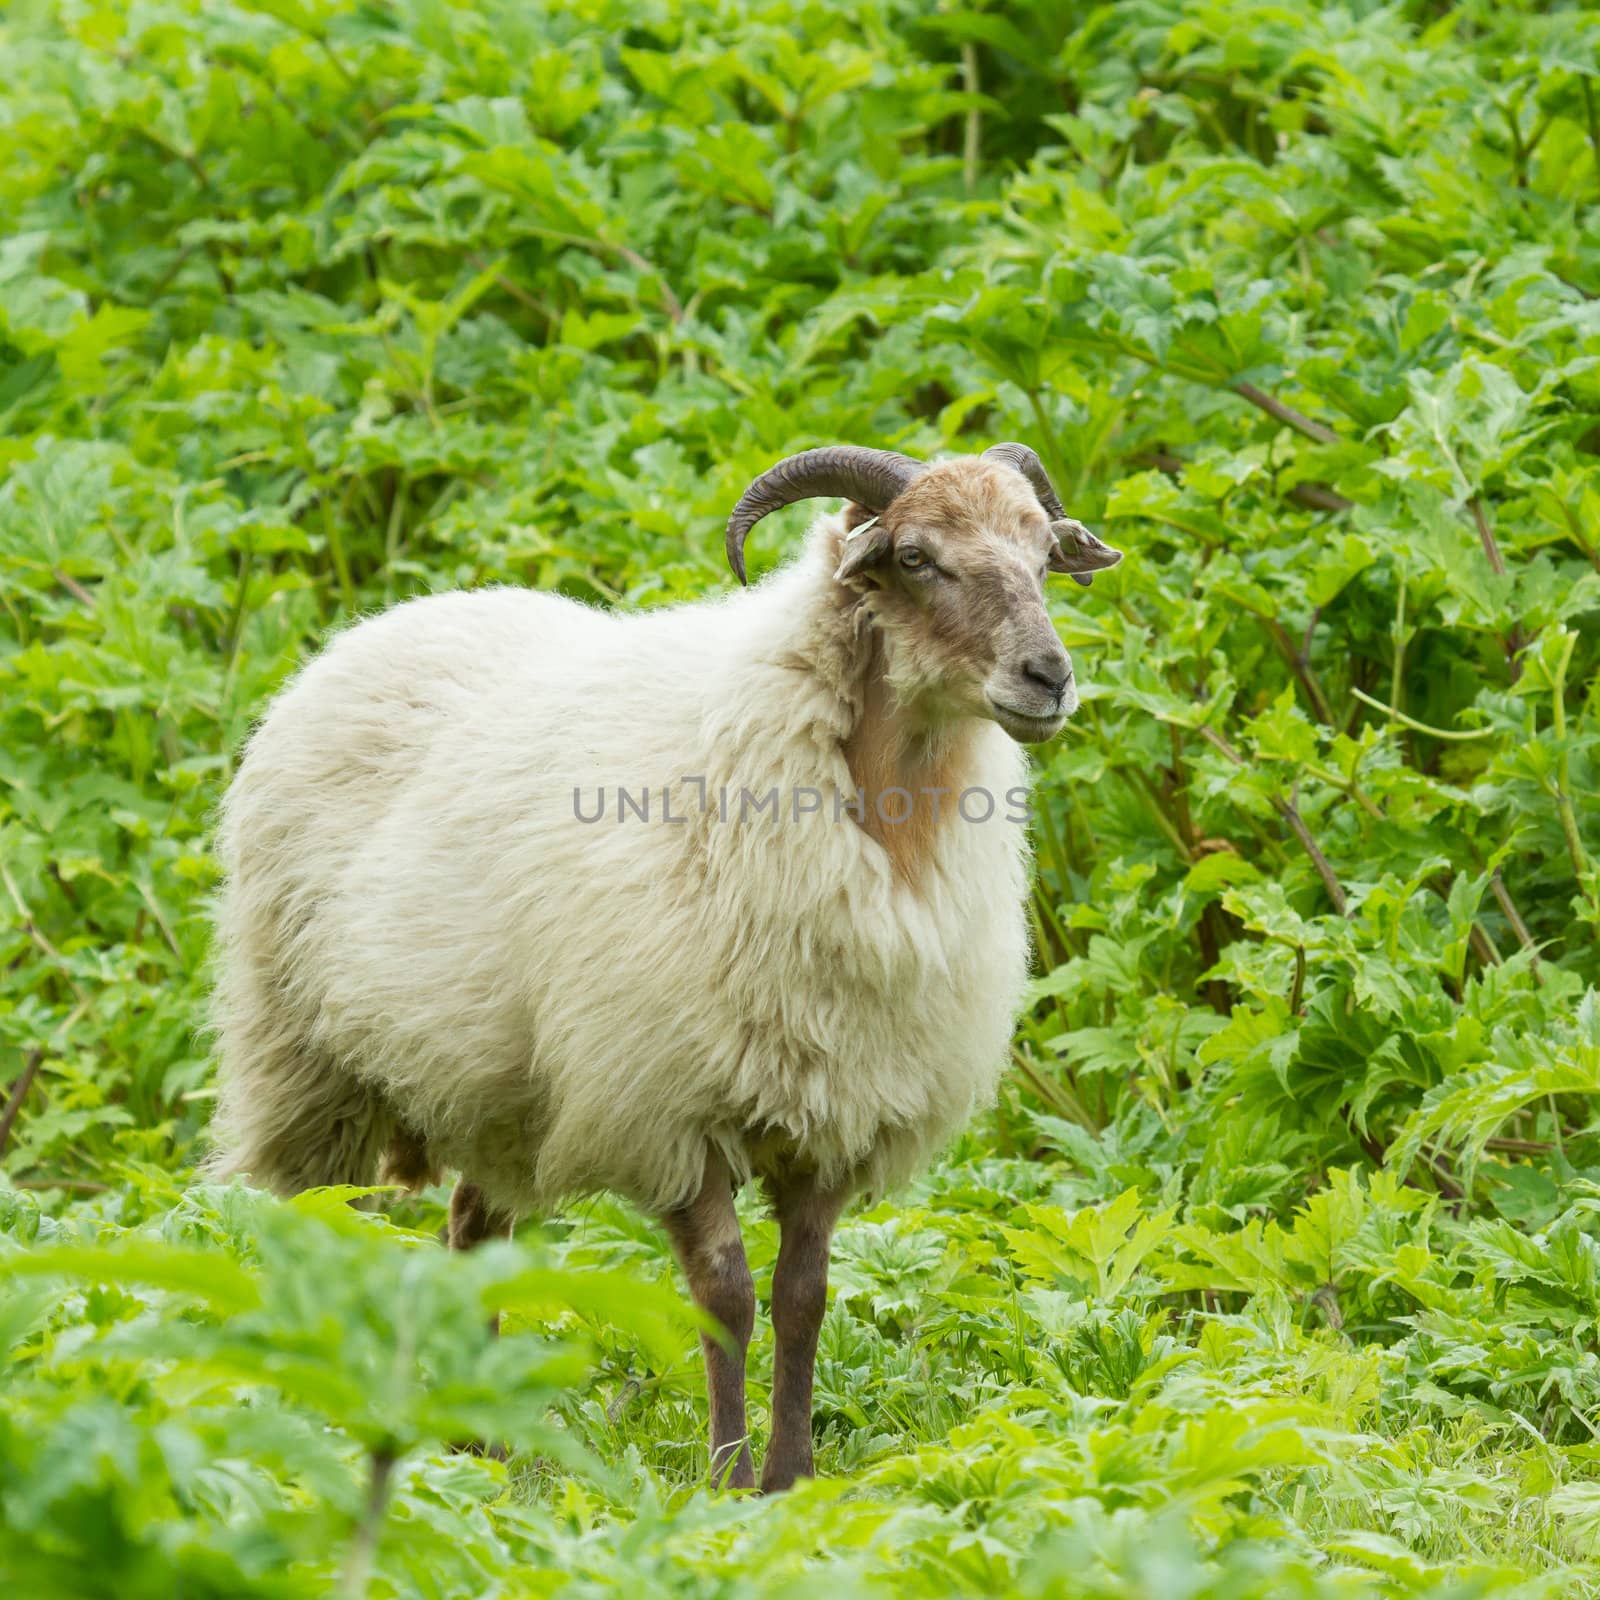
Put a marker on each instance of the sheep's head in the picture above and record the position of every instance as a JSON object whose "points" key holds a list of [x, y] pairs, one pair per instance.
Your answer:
{"points": [[955, 557]]}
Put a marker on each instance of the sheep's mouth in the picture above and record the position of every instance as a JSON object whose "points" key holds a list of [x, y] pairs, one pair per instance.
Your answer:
{"points": [[1028, 727]]}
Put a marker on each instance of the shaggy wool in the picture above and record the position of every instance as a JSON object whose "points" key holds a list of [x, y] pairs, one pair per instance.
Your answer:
{"points": [[425, 947]]}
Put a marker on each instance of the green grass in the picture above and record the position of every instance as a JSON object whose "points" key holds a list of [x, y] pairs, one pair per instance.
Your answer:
{"points": [[1275, 1271]]}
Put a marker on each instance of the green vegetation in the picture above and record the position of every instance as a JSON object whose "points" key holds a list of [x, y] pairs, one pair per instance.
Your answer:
{"points": [[1276, 1272]]}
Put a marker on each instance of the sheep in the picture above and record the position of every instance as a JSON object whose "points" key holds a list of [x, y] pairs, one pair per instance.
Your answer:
{"points": [[435, 949]]}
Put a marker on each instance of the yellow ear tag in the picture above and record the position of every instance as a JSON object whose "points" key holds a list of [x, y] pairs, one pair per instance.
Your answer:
{"points": [[855, 533]]}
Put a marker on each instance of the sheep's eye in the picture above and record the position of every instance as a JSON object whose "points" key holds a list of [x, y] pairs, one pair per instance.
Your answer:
{"points": [[913, 559]]}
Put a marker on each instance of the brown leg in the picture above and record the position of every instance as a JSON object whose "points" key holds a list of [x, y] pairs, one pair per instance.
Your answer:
{"points": [[806, 1214], [471, 1220], [705, 1235]]}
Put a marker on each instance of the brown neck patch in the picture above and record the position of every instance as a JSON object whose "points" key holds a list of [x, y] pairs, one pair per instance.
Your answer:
{"points": [[909, 773]]}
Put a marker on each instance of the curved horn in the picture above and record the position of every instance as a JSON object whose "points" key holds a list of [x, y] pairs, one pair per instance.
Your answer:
{"points": [[872, 478], [1031, 468]]}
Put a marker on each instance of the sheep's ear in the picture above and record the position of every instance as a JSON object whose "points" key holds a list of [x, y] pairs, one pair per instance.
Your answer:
{"points": [[865, 545], [1078, 553]]}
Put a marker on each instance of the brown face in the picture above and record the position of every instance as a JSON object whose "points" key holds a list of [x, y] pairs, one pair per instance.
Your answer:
{"points": [[959, 563]]}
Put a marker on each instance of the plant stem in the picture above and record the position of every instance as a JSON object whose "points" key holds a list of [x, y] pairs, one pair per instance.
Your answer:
{"points": [[1519, 155], [1297, 992], [1593, 117], [1314, 496], [1397, 677], [1054, 1094], [333, 57], [1061, 861], [1569, 516], [1276, 409], [396, 522], [1049, 919], [972, 136], [1301, 666], [1564, 810], [1206, 933], [18, 1090], [73, 587], [1291, 814], [1158, 813], [230, 645], [1524, 1147], [1514, 641], [1041, 933], [364, 1547], [37, 934], [1330, 881], [1486, 536], [1513, 916], [1056, 463], [1319, 497], [1421, 727], [603, 247], [341, 564]]}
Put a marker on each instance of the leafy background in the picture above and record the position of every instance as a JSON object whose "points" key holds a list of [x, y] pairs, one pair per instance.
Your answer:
{"points": [[1275, 1272]]}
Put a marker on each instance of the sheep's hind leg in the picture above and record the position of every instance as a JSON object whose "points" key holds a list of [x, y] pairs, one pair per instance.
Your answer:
{"points": [[806, 1213], [471, 1219], [705, 1234], [471, 1222]]}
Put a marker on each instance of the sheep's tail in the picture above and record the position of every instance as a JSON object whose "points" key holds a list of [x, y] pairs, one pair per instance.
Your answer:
{"points": [[290, 1115], [309, 1129], [289, 1119]]}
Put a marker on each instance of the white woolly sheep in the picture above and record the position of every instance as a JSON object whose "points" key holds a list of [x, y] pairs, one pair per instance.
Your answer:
{"points": [[432, 955]]}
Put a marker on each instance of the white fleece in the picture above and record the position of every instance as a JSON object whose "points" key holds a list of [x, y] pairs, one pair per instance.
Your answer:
{"points": [[418, 933]]}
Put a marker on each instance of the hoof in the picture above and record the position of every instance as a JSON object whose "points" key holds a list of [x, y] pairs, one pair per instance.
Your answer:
{"points": [[740, 1473]]}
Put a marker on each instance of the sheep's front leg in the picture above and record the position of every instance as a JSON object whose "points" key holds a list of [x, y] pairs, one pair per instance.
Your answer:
{"points": [[705, 1234], [806, 1213]]}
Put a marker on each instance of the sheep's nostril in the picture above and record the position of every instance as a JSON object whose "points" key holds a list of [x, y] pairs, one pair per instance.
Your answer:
{"points": [[1049, 672]]}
